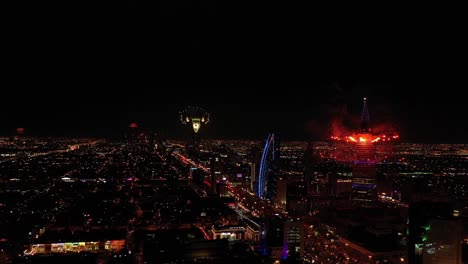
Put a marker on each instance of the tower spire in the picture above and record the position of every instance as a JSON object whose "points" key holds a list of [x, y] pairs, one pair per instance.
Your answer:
{"points": [[364, 126]]}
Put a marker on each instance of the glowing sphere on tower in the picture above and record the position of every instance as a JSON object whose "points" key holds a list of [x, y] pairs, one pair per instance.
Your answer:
{"points": [[195, 116]]}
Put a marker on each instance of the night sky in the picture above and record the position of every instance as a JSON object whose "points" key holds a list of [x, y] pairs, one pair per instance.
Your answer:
{"points": [[83, 68]]}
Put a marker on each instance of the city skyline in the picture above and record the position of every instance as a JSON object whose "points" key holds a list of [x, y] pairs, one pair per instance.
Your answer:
{"points": [[315, 122]]}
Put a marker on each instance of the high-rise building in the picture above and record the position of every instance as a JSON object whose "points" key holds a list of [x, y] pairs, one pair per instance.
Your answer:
{"points": [[296, 198], [269, 169], [283, 238], [364, 170], [215, 172], [281, 194], [222, 187], [293, 245], [255, 155], [434, 233], [253, 176], [193, 147], [364, 173], [272, 236]]}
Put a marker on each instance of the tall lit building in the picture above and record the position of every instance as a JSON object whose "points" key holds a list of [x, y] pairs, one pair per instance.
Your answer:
{"points": [[434, 233], [364, 169], [364, 181], [268, 173]]}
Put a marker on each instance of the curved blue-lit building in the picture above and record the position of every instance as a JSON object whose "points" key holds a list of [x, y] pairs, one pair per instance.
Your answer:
{"points": [[268, 172]]}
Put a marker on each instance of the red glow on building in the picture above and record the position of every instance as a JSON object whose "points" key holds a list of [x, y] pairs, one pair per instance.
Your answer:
{"points": [[363, 148], [367, 137], [20, 130], [346, 145], [133, 125]]}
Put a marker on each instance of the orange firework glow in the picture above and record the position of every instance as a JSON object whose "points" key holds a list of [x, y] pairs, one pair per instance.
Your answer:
{"points": [[366, 138], [345, 145]]}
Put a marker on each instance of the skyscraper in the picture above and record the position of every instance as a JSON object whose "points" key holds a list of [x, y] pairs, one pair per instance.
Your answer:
{"points": [[215, 171], [253, 176], [269, 166], [293, 245], [364, 169], [255, 154]]}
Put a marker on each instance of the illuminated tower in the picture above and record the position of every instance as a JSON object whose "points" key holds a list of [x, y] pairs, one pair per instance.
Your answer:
{"points": [[364, 170], [363, 143], [365, 118], [268, 172]]}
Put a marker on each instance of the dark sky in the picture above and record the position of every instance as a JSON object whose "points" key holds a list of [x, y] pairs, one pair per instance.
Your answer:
{"points": [[90, 68]]}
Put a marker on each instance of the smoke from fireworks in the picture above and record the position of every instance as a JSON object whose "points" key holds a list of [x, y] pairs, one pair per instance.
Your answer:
{"points": [[336, 121]]}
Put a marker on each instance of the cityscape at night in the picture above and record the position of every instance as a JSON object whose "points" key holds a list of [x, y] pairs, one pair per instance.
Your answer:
{"points": [[146, 198], [233, 133]]}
